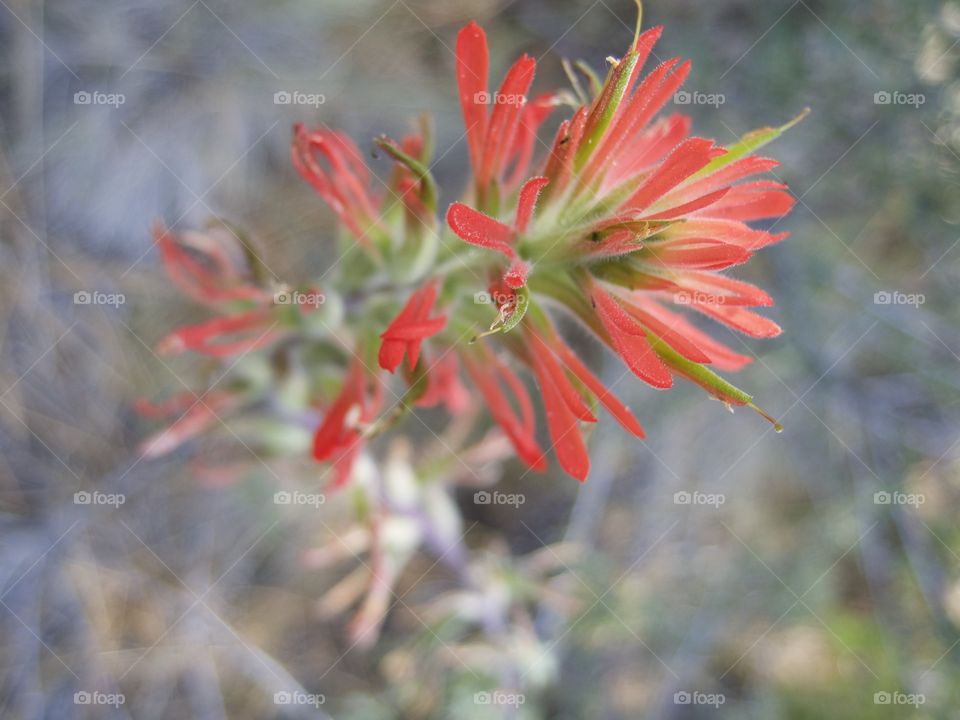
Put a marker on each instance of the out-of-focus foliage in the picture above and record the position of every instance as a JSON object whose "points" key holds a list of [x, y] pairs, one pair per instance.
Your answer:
{"points": [[801, 595]]}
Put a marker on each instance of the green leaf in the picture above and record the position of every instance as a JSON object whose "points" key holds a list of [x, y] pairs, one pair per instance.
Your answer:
{"points": [[614, 91], [523, 302], [753, 140], [428, 186], [707, 379], [700, 374]]}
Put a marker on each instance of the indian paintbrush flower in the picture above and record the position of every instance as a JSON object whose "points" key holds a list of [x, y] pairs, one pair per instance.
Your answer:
{"points": [[625, 225]]}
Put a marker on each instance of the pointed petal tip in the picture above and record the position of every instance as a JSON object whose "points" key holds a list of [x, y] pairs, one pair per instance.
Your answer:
{"points": [[472, 30]]}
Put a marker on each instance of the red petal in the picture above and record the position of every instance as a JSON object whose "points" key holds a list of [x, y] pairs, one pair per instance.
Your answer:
{"points": [[201, 337], [516, 275], [564, 432], [561, 160], [409, 328], [527, 200], [615, 244], [474, 227], [739, 318], [344, 186], [507, 110], [606, 398], [730, 232], [391, 354], [633, 346], [670, 335], [472, 62], [737, 170], [416, 330], [331, 433], [650, 96], [752, 201], [695, 286], [692, 155], [544, 355], [520, 433], [616, 92], [534, 114], [721, 357], [698, 253], [413, 353], [612, 310], [678, 212], [646, 149]]}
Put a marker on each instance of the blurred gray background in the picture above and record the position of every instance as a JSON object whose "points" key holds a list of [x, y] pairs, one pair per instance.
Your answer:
{"points": [[802, 595]]}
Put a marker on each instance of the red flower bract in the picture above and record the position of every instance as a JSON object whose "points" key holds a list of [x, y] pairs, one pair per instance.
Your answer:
{"points": [[340, 435], [408, 330], [625, 226], [634, 216]]}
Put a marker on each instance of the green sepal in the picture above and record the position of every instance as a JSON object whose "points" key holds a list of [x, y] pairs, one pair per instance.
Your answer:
{"points": [[523, 303], [707, 379], [618, 82], [428, 186], [753, 140]]}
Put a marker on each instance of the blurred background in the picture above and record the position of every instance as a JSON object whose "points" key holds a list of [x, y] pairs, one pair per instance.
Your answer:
{"points": [[716, 569]]}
